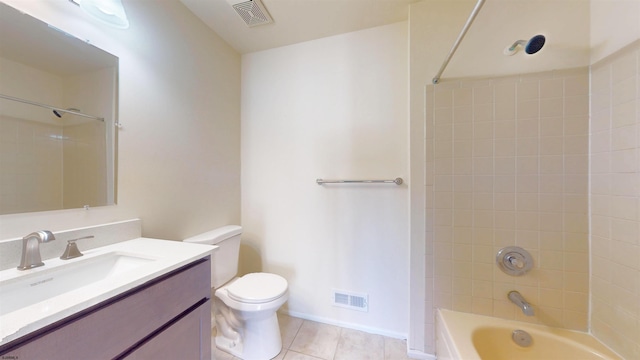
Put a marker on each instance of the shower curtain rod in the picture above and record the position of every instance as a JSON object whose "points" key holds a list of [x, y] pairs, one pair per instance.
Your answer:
{"points": [[473, 15], [50, 107]]}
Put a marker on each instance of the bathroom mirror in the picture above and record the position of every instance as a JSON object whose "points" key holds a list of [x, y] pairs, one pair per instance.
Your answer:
{"points": [[58, 107]]}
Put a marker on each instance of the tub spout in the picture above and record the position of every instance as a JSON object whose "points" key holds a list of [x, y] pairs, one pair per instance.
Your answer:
{"points": [[517, 299]]}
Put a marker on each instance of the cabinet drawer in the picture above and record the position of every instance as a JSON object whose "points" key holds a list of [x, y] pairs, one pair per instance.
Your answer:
{"points": [[189, 338], [114, 326]]}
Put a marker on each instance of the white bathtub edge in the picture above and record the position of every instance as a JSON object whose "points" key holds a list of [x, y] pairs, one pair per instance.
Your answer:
{"points": [[446, 349]]}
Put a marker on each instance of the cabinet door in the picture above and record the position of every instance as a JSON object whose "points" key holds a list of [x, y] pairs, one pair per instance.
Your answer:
{"points": [[188, 338]]}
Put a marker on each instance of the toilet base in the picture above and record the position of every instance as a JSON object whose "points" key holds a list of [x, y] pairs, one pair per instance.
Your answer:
{"points": [[229, 346], [260, 340]]}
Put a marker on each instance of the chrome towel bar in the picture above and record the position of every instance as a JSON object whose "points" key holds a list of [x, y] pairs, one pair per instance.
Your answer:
{"points": [[397, 181]]}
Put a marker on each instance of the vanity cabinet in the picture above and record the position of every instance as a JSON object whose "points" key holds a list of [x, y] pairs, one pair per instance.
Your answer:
{"points": [[168, 317]]}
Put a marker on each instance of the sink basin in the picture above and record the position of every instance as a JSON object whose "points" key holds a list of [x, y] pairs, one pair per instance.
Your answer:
{"points": [[30, 289], [33, 299]]}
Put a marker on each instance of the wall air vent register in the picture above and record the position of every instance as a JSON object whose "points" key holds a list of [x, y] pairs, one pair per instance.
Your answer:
{"points": [[350, 300]]}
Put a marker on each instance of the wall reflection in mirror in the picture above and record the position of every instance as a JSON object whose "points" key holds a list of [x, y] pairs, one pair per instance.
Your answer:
{"points": [[51, 156]]}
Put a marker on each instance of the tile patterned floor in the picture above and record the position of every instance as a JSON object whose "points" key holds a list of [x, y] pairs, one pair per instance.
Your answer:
{"points": [[308, 340]]}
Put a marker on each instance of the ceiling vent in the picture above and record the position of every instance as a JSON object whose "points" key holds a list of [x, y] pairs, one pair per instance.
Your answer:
{"points": [[252, 12]]}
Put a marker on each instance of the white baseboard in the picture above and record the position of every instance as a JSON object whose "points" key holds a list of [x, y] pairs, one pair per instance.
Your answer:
{"points": [[414, 354], [347, 325]]}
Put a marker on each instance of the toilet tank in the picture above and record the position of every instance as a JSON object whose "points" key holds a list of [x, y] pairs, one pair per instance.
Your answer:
{"points": [[224, 261]]}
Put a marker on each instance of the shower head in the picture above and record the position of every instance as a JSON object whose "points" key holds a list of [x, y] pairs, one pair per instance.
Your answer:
{"points": [[59, 113], [531, 46]]}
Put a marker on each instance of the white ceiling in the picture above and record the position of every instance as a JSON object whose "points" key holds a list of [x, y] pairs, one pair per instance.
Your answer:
{"points": [[297, 20]]}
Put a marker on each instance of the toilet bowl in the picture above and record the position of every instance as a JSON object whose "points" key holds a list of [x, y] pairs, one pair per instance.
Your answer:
{"points": [[244, 308], [251, 302]]}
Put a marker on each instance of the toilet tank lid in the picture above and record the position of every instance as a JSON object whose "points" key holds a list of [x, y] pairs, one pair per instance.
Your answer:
{"points": [[216, 235]]}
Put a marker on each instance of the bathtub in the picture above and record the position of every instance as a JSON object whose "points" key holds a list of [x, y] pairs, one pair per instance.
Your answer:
{"points": [[462, 336]]}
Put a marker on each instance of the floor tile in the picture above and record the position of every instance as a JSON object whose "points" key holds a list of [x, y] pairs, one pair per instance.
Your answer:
{"points": [[308, 340], [316, 339], [359, 345], [292, 355], [395, 349], [219, 354], [289, 327]]}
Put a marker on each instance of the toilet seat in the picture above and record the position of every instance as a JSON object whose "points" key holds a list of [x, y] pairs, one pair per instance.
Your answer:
{"points": [[257, 288]]}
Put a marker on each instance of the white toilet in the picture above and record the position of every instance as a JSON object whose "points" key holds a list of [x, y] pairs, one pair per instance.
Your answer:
{"points": [[245, 308]]}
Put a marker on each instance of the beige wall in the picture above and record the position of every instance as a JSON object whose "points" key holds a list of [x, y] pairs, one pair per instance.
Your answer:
{"points": [[614, 24], [437, 24], [26, 82], [332, 108], [615, 201], [179, 147]]}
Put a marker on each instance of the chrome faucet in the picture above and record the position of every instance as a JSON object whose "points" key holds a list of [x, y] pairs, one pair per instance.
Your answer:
{"points": [[517, 299], [31, 249], [72, 251]]}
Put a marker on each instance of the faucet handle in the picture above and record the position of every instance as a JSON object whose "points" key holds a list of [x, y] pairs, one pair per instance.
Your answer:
{"points": [[515, 261], [72, 250]]}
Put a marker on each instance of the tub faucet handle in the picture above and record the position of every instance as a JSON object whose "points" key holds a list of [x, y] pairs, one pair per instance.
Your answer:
{"points": [[514, 260], [518, 263]]}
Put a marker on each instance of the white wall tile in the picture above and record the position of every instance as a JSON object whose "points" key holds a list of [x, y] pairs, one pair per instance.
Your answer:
{"points": [[615, 194], [530, 188]]}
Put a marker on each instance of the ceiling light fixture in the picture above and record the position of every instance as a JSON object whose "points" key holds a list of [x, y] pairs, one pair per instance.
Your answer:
{"points": [[110, 12]]}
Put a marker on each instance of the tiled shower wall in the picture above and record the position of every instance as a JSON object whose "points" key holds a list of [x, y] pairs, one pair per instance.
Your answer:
{"points": [[50, 167], [31, 162], [615, 201], [507, 160], [85, 165]]}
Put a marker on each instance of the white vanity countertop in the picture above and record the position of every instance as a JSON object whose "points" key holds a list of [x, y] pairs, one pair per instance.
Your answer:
{"points": [[158, 258]]}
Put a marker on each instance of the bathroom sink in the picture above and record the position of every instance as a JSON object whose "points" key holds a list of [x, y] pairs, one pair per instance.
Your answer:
{"points": [[49, 282], [35, 298]]}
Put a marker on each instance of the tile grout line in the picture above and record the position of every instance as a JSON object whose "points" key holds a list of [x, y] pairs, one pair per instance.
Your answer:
{"points": [[335, 350]]}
